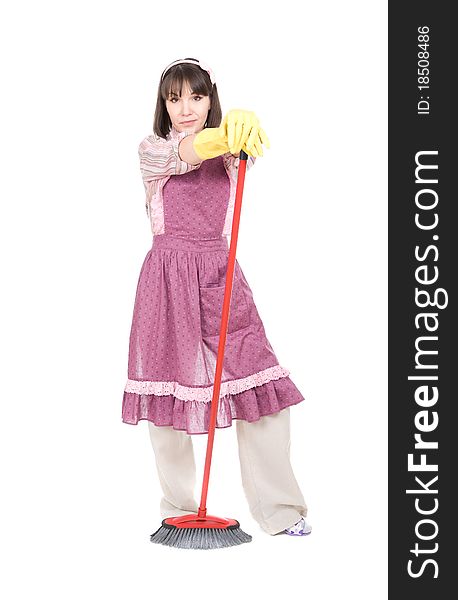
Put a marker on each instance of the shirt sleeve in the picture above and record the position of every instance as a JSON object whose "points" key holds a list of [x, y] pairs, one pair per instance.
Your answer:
{"points": [[232, 162], [250, 162], [159, 157]]}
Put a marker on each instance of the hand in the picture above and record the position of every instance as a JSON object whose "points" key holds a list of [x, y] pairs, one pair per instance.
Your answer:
{"points": [[253, 147], [254, 150], [244, 132]]}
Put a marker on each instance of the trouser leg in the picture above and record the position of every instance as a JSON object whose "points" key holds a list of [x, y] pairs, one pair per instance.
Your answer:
{"points": [[176, 468], [274, 497]]}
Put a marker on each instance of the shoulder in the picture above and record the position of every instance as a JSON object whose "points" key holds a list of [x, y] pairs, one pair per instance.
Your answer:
{"points": [[157, 143], [152, 141]]}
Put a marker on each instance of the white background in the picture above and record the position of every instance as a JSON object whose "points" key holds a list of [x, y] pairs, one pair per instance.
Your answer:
{"points": [[80, 491]]}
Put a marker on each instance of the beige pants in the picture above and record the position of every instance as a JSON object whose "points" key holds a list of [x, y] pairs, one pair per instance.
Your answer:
{"points": [[273, 494]]}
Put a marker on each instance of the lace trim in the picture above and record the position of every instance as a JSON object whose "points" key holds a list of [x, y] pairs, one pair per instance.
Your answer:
{"points": [[166, 388], [231, 164], [154, 202], [156, 205], [228, 164]]}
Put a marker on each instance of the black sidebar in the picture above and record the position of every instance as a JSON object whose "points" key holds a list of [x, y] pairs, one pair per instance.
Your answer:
{"points": [[422, 290]]}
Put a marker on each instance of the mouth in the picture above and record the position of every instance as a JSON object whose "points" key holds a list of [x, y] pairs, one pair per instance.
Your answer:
{"points": [[189, 122]]}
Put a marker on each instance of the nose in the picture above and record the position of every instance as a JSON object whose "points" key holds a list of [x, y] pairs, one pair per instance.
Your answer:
{"points": [[186, 107]]}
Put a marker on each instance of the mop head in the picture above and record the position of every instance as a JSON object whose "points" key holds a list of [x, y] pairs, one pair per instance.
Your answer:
{"points": [[200, 538]]}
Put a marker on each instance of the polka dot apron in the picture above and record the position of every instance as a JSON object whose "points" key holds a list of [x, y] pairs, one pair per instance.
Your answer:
{"points": [[177, 315]]}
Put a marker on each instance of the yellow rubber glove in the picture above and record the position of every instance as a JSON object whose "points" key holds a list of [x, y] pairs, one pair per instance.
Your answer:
{"points": [[253, 146], [245, 131], [211, 142], [214, 141]]}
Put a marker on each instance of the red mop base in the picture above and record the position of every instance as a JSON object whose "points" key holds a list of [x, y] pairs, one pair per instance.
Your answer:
{"points": [[200, 532], [194, 521]]}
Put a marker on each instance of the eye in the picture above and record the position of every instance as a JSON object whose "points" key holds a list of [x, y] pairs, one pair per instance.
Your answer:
{"points": [[172, 99], [197, 97]]}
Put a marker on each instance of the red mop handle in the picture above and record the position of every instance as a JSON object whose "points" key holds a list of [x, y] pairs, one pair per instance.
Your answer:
{"points": [[223, 328]]}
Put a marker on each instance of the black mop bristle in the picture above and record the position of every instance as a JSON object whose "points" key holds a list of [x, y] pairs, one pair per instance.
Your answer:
{"points": [[199, 538]]}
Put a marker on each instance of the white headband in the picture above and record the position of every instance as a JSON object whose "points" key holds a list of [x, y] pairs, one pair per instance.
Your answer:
{"points": [[192, 61]]}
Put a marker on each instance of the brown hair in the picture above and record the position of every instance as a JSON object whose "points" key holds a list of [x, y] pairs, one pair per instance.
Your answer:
{"points": [[199, 83]]}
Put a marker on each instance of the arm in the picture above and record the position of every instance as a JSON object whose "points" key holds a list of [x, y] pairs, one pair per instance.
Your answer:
{"points": [[187, 152], [160, 158]]}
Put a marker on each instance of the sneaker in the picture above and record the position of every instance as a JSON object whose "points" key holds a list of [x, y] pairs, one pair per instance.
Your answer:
{"points": [[300, 528]]}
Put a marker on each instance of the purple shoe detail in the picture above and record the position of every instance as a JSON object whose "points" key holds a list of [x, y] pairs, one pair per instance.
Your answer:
{"points": [[300, 528]]}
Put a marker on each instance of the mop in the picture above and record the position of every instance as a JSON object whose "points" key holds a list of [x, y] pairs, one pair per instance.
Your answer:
{"points": [[204, 531]]}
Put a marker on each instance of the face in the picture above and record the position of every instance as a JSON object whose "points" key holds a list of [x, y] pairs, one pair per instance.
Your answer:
{"points": [[188, 111]]}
